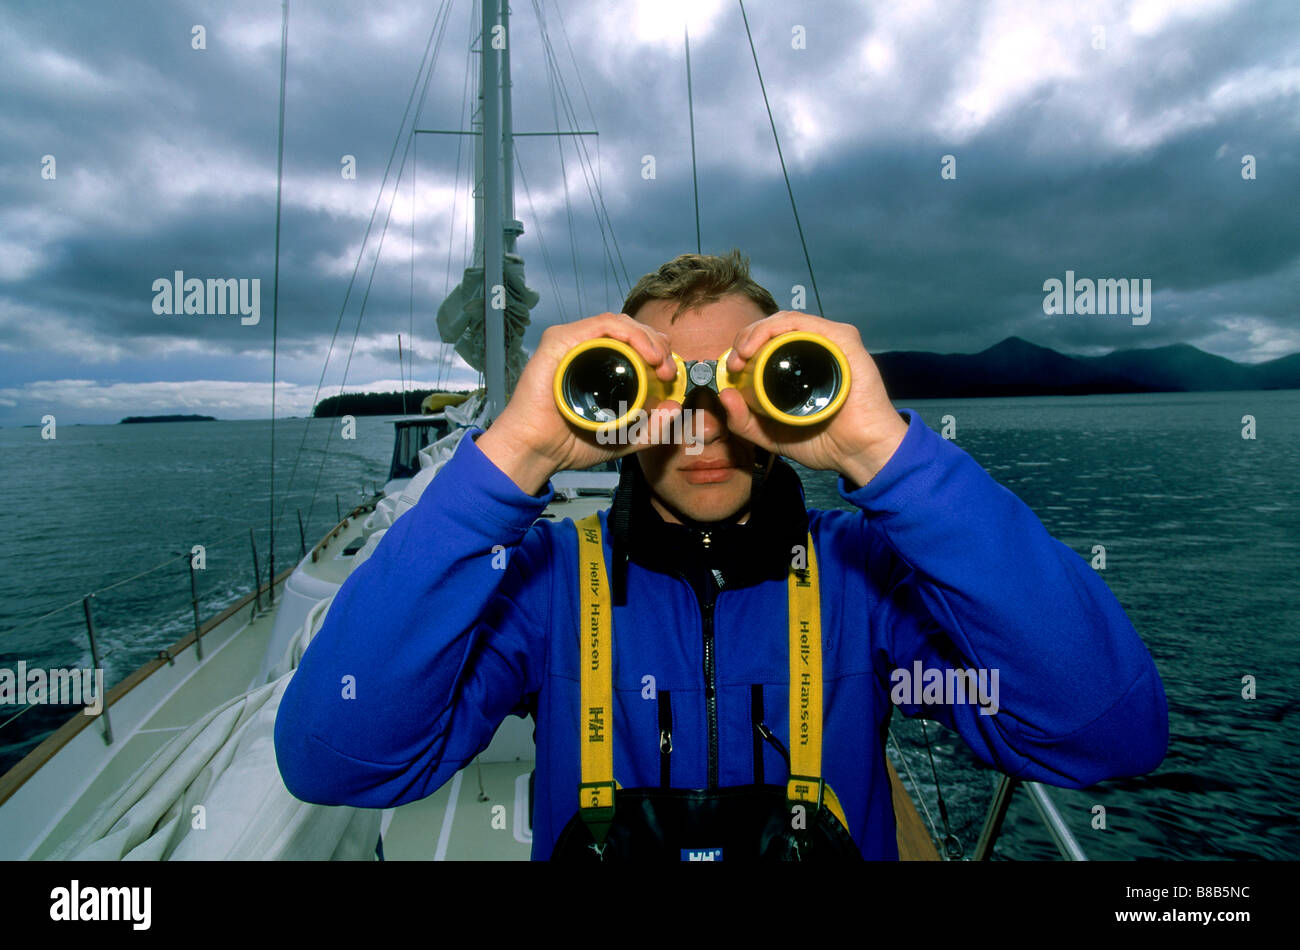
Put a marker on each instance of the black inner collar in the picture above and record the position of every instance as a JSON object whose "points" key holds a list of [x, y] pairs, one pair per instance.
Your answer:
{"points": [[732, 555]]}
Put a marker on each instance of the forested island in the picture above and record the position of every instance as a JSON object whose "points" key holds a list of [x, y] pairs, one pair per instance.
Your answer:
{"points": [[172, 418], [387, 404]]}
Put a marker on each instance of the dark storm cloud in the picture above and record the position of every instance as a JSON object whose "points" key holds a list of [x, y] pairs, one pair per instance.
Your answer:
{"points": [[1123, 162]]}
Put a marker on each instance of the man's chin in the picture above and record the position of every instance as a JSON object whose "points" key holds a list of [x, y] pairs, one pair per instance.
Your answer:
{"points": [[708, 503]]}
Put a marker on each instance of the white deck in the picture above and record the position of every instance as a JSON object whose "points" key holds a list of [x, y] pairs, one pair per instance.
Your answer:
{"points": [[457, 823]]}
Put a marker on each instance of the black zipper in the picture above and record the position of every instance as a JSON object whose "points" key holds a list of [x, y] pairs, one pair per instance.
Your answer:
{"points": [[710, 667], [710, 673], [665, 738], [710, 692]]}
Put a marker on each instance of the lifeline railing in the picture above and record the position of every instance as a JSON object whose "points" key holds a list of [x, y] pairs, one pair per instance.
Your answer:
{"points": [[1062, 837], [87, 600]]}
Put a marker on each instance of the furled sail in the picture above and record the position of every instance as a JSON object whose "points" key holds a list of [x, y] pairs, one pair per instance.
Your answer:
{"points": [[461, 318], [214, 792]]}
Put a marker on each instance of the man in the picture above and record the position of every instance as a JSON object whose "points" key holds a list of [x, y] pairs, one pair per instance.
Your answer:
{"points": [[939, 571]]}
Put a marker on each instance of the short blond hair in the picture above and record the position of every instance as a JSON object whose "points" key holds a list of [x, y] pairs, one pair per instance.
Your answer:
{"points": [[697, 279]]}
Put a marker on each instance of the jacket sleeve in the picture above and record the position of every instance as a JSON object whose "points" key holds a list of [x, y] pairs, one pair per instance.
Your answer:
{"points": [[968, 578], [440, 643]]}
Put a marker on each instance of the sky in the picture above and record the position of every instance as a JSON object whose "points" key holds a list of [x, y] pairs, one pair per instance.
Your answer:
{"points": [[947, 159]]}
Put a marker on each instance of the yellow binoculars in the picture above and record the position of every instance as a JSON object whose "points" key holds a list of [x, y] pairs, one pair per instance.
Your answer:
{"points": [[797, 378]]}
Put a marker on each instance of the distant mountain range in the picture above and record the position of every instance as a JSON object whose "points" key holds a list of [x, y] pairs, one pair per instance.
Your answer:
{"points": [[1016, 367]]}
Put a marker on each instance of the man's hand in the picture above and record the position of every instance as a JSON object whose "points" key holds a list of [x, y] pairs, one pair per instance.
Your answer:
{"points": [[530, 441], [857, 441]]}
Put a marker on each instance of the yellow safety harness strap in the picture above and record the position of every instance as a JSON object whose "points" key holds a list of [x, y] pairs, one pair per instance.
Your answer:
{"points": [[805, 785], [595, 657]]}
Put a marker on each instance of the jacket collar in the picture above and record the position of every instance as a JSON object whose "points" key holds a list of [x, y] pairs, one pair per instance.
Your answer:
{"points": [[737, 555]]}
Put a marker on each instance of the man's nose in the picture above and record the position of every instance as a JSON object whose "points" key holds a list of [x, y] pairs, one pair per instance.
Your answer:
{"points": [[707, 421]]}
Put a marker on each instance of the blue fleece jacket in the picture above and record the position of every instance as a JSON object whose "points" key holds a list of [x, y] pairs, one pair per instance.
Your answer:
{"points": [[939, 565]]}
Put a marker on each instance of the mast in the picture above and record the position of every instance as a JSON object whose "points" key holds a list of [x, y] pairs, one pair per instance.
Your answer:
{"points": [[513, 227], [476, 126], [493, 225]]}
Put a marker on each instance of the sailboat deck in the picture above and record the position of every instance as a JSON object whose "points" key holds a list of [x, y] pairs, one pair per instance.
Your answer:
{"points": [[232, 658], [461, 821]]}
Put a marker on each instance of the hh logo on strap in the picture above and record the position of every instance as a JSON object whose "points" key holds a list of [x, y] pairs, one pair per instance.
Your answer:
{"points": [[701, 854]]}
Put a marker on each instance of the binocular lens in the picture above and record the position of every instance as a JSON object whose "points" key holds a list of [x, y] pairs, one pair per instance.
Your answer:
{"points": [[798, 378], [598, 382], [801, 378]]}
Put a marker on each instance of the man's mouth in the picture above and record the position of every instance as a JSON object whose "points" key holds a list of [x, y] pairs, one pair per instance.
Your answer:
{"points": [[708, 472]]}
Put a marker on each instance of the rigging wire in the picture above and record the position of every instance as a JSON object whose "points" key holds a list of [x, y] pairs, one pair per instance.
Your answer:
{"points": [[36, 620], [607, 266], [541, 239], [599, 193], [352, 281], [401, 374], [590, 178], [17, 714], [915, 784], [440, 27], [476, 78], [690, 101], [275, 293], [564, 174], [951, 843], [591, 113], [410, 330], [776, 138], [475, 18]]}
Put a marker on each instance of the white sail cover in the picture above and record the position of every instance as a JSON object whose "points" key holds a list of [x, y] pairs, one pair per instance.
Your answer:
{"points": [[461, 318], [225, 765]]}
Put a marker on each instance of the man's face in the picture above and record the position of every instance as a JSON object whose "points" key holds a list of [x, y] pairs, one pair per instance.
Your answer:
{"points": [[713, 484]]}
